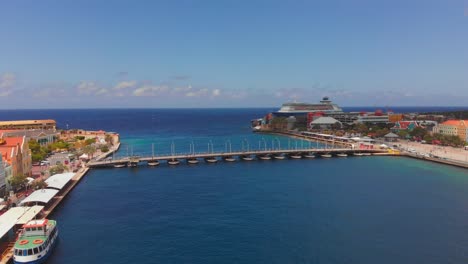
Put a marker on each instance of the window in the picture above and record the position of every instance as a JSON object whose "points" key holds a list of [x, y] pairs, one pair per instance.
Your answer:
{"points": [[36, 250], [25, 252], [30, 252]]}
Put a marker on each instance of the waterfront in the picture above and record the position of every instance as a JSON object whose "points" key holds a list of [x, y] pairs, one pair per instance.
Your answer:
{"points": [[353, 210], [342, 210]]}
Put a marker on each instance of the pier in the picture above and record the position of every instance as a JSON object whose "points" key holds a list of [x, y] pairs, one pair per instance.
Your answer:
{"points": [[259, 154]]}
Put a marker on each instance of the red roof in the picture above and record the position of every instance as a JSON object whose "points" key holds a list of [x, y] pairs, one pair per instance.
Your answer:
{"points": [[455, 122]]}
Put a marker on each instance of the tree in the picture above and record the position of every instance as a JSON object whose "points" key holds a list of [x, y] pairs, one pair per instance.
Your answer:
{"points": [[418, 132], [38, 185], [79, 137], [104, 149], [89, 150], [59, 168], [90, 141], [18, 181]]}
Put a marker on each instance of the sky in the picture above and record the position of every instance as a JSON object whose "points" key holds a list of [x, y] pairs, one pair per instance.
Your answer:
{"points": [[220, 53]]}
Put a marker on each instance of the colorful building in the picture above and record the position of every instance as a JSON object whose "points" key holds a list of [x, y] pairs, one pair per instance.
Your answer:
{"points": [[405, 125], [16, 153], [453, 128], [2, 178], [43, 137]]}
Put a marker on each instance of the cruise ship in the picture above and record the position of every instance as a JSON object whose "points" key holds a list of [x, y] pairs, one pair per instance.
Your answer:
{"points": [[325, 106]]}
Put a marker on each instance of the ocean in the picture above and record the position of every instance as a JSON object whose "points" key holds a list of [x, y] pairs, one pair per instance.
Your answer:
{"points": [[340, 210]]}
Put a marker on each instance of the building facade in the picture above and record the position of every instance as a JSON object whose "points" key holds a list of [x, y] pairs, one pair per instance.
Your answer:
{"points": [[453, 128], [43, 137], [47, 124], [16, 153], [2, 178]]}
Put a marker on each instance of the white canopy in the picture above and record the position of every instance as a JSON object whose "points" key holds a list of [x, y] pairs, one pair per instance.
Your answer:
{"points": [[30, 180], [8, 220], [40, 196], [383, 146], [84, 156], [58, 181], [30, 214]]}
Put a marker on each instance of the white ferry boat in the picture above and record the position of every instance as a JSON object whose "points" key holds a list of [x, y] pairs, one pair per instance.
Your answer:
{"points": [[35, 242]]}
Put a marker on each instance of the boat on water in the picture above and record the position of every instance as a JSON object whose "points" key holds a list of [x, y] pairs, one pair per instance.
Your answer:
{"points": [[326, 155], [153, 163], [309, 156], [357, 154], [247, 158], [295, 156], [35, 242], [211, 160], [264, 157], [279, 157], [229, 159], [173, 162], [132, 164], [120, 165], [192, 161], [342, 155]]}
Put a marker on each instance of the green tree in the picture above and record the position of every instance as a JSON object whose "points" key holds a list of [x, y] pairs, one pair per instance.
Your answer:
{"points": [[59, 168], [79, 137], [418, 132], [89, 150], [90, 141], [104, 149], [38, 185], [428, 138], [18, 181]]}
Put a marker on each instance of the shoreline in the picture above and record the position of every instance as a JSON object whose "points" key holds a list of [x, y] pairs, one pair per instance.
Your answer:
{"points": [[62, 195]]}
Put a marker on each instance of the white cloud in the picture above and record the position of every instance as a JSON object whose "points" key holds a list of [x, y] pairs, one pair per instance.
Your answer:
{"points": [[150, 90], [197, 93], [7, 82], [216, 92], [125, 84], [87, 88]]}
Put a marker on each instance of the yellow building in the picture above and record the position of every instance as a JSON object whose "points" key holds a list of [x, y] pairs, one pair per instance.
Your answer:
{"points": [[453, 128], [47, 124]]}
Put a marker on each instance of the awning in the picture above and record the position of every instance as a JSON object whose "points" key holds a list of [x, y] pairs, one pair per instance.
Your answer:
{"points": [[58, 181], [40, 196], [8, 220], [30, 214], [30, 180]]}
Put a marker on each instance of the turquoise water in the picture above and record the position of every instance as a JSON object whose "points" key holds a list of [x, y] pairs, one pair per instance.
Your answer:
{"points": [[340, 210]]}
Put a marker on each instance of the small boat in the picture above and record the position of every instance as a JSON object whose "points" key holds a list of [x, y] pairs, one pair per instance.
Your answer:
{"points": [[211, 160], [192, 161], [264, 157], [279, 157], [153, 163], [173, 162], [295, 156], [326, 155], [309, 156], [229, 159], [342, 155], [132, 164], [35, 242], [357, 154], [247, 158], [120, 165]]}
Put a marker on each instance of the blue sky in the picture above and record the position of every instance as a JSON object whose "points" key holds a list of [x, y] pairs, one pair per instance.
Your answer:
{"points": [[56, 54]]}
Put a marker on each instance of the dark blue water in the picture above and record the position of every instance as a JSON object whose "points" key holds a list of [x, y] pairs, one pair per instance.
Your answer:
{"points": [[350, 210]]}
